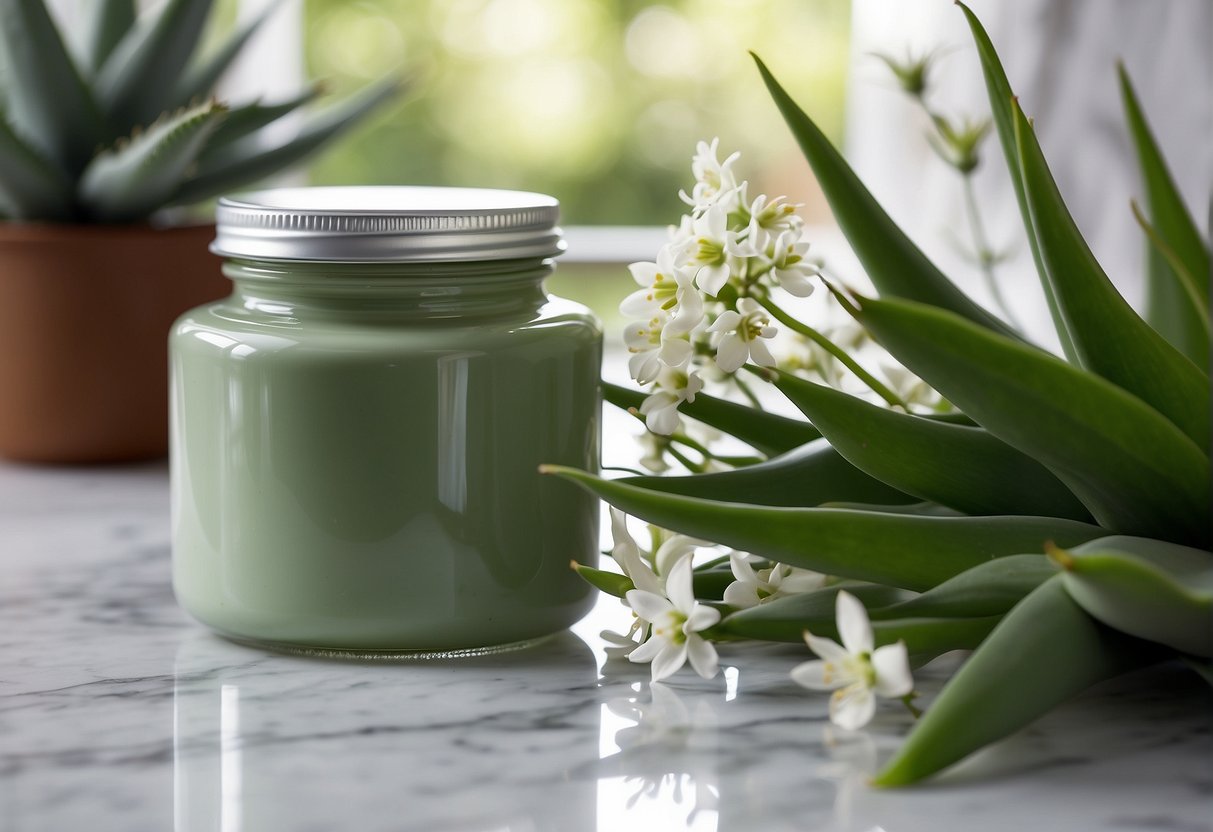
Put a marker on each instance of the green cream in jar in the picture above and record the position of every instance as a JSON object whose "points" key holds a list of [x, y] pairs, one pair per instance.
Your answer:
{"points": [[356, 429]]}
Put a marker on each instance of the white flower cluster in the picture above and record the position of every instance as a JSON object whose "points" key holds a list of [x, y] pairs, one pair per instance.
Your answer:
{"points": [[700, 300], [668, 624]]}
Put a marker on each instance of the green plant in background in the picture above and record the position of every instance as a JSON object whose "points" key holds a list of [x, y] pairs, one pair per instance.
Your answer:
{"points": [[128, 125], [1055, 517]]}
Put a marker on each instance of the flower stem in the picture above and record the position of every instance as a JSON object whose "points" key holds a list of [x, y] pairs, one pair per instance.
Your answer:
{"points": [[687, 462], [985, 255], [833, 349], [748, 393], [908, 701]]}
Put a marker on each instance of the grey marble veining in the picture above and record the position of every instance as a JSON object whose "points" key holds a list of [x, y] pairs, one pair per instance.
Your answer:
{"points": [[118, 713]]}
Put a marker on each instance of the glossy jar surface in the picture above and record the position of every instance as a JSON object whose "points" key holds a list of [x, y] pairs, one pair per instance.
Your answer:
{"points": [[355, 452]]}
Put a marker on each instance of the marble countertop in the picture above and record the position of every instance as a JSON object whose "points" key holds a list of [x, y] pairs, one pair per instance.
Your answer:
{"points": [[119, 713]]}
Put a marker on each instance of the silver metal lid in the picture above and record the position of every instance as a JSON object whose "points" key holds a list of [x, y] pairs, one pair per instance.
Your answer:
{"points": [[387, 224]]}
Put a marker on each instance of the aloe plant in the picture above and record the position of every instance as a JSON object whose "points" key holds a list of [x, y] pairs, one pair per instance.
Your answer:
{"points": [[128, 125], [1058, 522]]}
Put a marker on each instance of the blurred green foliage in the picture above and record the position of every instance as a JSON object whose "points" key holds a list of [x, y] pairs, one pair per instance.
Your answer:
{"points": [[598, 102]]}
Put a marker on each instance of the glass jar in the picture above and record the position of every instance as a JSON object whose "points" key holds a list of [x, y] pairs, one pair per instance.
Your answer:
{"points": [[356, 430]]}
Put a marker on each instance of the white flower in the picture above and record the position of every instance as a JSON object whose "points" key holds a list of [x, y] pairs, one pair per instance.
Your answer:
{"points": [[677, 619], [660, 409], [768, 219], [854, 671], [740, 334], [789, 266], [710, 247], [653, 349], [665, 288], [653, 447], [714, 180], [755, 587]]}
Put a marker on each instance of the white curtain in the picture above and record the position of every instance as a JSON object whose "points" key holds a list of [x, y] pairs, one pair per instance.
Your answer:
{"points": [[1060, 56]]}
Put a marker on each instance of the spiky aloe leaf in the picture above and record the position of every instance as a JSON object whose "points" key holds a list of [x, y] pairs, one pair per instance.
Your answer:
{"points": [[1134, 470], [48, 103], [1045, 651], [30, 186], [895, 265], [248, 118], [806, 476], [109, 21], [1110, 338], [901, 550], [134, 179], [137, 81], [1170, 292], [954, 465], [768, 433], [998, 88], [247, 160], [200, 79], [991, 588], [1180, 314]]}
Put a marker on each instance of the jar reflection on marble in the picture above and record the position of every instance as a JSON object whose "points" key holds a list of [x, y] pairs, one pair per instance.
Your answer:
{"points": [[356, 430]]}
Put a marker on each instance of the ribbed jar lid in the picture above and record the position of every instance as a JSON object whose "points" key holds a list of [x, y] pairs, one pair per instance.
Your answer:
{"points": [[387, 224]]}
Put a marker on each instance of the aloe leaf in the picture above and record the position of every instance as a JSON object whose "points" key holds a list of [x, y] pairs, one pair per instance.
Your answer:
{"points": [[998, 88], [612, 583], [1110, 338], [806, 476], [958, 466], [895, 265], [767, 433], [200, 79], [1177, 293], [991, 588], [109, 21], [787, 619], [1167, 207], [48, 104], [1188, 316], [247, 160], [246, 119], [1134, 470], [1166, 597], [1045, 651], [136, 177], [137, 81], [900, 550], [30, 186], [923, 509]]}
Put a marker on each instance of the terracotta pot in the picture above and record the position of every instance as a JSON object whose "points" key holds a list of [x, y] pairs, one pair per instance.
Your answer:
{"points": [[84, 318]]}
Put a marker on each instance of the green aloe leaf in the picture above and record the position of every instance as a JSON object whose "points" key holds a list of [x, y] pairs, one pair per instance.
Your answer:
{"points": [[787, 619], [1170, 292], [200, 79], [247, 119], [767, 433], [812, 474], [248, 160], [48, 104], [1134, 470], [30, 186], [895, 265], [612, 583], [897, 549], [991, 588], [108, 23], [136, 177], [998, 88], [1186, 319], [137, 82], [955, 465], [1163, 595], [1045, 651], [1110, 338]]}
